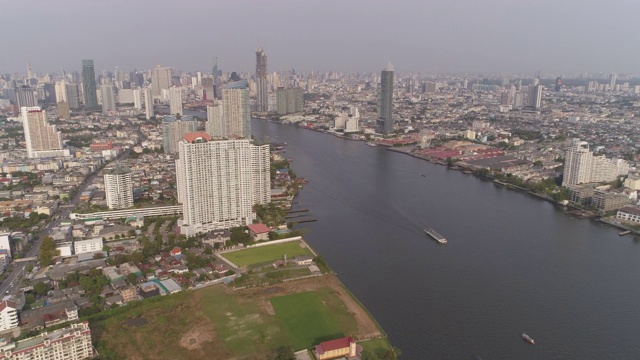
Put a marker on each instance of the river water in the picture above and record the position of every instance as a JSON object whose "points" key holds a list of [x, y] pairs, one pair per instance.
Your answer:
{"points": [[513, 264]]}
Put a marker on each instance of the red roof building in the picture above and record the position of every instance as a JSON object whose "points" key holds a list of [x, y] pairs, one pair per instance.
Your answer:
{"points": [[334, 349], [259, 232]]}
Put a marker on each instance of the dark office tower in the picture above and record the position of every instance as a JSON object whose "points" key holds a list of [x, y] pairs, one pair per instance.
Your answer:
{"points": [[558, 83], [234, 76], [89, 85], [261, 81], [385, 104]]}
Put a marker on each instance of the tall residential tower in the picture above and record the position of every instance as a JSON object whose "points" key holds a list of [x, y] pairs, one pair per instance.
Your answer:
{"points": [[219, 182], [261, 81], [89, 85], [385, 105]]}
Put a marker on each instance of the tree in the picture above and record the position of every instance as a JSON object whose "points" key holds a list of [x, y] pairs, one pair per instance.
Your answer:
{"points": [[538, 164], [47, 251], [41, 288], [284, 353], [98, 255], [131, 278]]}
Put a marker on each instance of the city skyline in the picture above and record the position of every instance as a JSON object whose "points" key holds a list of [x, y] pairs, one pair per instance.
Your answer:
{"points": [[466, 36]]}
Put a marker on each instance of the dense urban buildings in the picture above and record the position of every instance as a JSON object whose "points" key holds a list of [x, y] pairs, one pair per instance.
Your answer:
{"points": [[385, 104], [89, 85], [289, 101], [42, 139], [118, 187], [203, 172], [174, 129], [261, 81]]}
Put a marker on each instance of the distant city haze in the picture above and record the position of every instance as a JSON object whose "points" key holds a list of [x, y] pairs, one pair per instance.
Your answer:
{"points": [[476, 36]]}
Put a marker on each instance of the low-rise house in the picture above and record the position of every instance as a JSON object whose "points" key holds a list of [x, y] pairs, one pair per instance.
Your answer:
{"points": [[259, 232], [304, 260], [129, 293]]}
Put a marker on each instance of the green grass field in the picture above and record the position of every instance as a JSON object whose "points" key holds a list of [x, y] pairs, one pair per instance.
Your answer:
{"points": [[267, 254], [306, 319], [377, 348]]}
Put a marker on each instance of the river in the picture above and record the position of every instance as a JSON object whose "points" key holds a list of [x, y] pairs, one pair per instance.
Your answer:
{"points": [[513, 264]]}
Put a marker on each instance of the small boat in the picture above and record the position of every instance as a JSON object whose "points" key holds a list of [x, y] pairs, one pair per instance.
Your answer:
{"points": [[528, 339], [423, 175], [625, 233], [435, 235], [371, 144]]}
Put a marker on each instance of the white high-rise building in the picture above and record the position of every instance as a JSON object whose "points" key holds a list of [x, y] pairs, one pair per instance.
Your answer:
{"points": [[160, 80], [175, 101], [219, 182], [612, 81], [173, 130], [237, 114], [108, 98], [61, 91], [70, 343], [148, 103], [137, 99], [8, 315], [215, 121], [582, 167], [118, 187], [42, 139]]}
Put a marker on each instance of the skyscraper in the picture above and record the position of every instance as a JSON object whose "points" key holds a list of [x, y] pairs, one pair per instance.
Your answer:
{"points": [[42, 139], [73, 96], [558, 83], [160, 80], [535, 96], [61, 91], [118, 187], [612, 81], [289, 101], [215, 121], [261, 81], [173, 130], [137, 99], [108, 98], [385, 105], [237, 114], [26, 96], [148, 103], [175, 100], [89, 85], [219, 182]]}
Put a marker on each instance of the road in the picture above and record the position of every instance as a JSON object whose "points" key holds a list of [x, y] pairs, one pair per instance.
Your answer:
{"points": [[16, 270]]}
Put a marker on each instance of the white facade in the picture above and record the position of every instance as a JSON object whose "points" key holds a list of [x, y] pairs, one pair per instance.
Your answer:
{"points": [[215, 121], [175, 100], [118, 188], [582, 167], [5, 242], [8, 315], [87, 246], [65, 248], [125, 96], [160, 80], [108, 98], [61, 91], [137, 99], [148, 103], [237, 113], [219, 182], [69, 343], [38, 134]]}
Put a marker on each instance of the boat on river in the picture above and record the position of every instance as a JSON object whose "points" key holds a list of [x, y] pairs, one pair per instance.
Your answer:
{"points": [[528, 339], [435, 235]]}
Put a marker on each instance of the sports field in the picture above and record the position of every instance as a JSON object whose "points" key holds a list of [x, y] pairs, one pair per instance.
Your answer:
{"points": [[307, 320], [267, 254]]}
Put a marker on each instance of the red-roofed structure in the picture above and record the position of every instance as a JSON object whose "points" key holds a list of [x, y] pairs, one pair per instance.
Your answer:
{"points": [[191, 137], [334, 349], [259, 232]]}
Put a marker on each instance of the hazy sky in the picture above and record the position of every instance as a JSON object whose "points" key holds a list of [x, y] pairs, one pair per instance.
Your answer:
{"points": [[344, 35]]}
